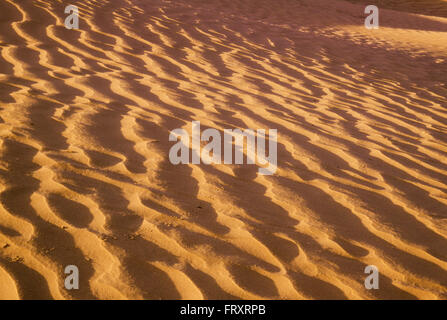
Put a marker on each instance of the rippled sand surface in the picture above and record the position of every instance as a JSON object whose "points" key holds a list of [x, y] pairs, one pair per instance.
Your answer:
{"points": [[85, 177]]}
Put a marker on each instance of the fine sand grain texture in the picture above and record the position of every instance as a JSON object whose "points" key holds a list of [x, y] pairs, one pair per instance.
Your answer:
{"points": [[85, 177]]}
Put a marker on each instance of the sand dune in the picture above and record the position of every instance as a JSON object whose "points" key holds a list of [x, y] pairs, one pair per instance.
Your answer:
{"points": [[86, 180]]}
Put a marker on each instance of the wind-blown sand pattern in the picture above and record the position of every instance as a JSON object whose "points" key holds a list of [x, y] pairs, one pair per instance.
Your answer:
{"points": [[86, 180]]}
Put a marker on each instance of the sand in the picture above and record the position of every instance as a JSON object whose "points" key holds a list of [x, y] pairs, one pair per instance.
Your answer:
{"points": [[86, 180]]}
